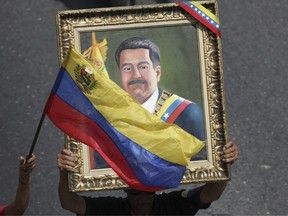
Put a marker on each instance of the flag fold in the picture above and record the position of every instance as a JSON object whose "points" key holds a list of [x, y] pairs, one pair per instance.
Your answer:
{"points": [[147, 153]]}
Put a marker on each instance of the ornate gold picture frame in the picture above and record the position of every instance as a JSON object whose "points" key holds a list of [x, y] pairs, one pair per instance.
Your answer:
{"points": [[191, 62]]}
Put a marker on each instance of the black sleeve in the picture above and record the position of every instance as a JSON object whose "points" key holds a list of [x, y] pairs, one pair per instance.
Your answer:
{"points": [[196, 199], [106, 206], [176, 204], [191, 204]]}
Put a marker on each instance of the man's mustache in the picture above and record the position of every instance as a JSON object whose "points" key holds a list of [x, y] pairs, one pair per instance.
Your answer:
{"points": [[132, 82]]}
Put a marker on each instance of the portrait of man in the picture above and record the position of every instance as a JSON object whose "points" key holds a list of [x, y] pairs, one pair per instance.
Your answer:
{"points": [[139, 64]]}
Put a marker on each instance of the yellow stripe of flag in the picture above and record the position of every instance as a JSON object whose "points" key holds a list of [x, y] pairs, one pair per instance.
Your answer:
{"points": [[206, 11]]}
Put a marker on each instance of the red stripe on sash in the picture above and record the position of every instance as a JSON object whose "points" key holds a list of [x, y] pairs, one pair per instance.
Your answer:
{"points": [[178, 111]]}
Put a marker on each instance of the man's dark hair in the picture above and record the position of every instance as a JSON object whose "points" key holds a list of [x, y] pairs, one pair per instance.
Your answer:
{"points": [[137, 43]]}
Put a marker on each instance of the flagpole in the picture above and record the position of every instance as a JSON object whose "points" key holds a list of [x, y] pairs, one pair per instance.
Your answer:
{"points": [[36, 135]]}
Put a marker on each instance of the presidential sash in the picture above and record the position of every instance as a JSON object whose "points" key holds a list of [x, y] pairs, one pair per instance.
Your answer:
{"points": [[170, 106]]}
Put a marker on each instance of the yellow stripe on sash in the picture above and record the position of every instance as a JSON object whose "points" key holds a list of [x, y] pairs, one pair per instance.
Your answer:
{"points": [[167, 104]]}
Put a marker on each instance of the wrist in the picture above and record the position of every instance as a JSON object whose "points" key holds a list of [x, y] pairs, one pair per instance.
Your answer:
{"points": [[23, 180]]}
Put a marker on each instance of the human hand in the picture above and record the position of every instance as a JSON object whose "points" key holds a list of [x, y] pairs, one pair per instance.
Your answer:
{"points": [[26, 165], [66, 160], [230, 152]]}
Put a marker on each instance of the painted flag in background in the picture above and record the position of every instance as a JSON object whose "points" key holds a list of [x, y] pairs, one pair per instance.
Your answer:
{"points": [[147, 153], [97, 53]]}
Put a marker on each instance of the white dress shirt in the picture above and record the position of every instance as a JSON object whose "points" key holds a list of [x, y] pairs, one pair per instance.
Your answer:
{"points": [[150, 104]]}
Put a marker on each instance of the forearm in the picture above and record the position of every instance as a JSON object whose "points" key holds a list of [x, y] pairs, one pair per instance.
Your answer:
{"points": [[69, 200], [21, 201], [212, 191]]}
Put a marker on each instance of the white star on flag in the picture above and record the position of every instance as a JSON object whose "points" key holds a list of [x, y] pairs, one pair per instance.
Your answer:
{"points": [[166, 115]]}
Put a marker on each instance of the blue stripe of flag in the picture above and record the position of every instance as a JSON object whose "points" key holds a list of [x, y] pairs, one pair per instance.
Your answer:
{"points": [[203, 14]]}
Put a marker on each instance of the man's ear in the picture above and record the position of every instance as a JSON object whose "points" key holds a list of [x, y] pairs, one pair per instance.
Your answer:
{"points": [[158, 72]]}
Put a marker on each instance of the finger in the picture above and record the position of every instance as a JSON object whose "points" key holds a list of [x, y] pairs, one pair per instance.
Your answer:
{"points": [[29, 166], [66, 152], [29, 169], [232, 148], [65, 157], [229, 144], [67, 167], [66, 162], [31, 159], [229, 155], [229, 152], [22, 160], [230, 159]]}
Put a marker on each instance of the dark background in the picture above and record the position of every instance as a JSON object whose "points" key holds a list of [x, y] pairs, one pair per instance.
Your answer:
{"points": [[254, 43]]}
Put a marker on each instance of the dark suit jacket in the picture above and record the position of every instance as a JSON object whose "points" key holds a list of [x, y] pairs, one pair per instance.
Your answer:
{"points": [[192, 121]]}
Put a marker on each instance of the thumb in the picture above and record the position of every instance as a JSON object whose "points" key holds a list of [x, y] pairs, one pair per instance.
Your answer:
{"points": [[22, 160]]}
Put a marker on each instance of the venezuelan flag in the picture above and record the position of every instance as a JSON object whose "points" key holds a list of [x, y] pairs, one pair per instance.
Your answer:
{"points": [[147, 153], [203, 15]]}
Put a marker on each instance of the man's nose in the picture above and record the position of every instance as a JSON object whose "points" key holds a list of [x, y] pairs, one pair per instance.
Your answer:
{"points": [[136, 73]]}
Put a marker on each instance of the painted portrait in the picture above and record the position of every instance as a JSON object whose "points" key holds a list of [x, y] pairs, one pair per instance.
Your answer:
{"points": [[191, 68]]}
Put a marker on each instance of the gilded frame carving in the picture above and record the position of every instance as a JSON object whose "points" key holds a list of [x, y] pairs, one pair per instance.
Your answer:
{"points": [[211, 72]]}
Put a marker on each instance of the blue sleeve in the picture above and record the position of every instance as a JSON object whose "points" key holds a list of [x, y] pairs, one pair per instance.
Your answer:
{"points": [[192, 121]]}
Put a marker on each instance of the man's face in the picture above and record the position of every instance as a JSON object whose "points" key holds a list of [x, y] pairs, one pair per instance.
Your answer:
{"points": [[138, 76]]}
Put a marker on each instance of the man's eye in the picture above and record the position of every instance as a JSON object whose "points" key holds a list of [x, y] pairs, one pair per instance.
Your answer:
{"points": [[126, 69], [144, 67]]}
